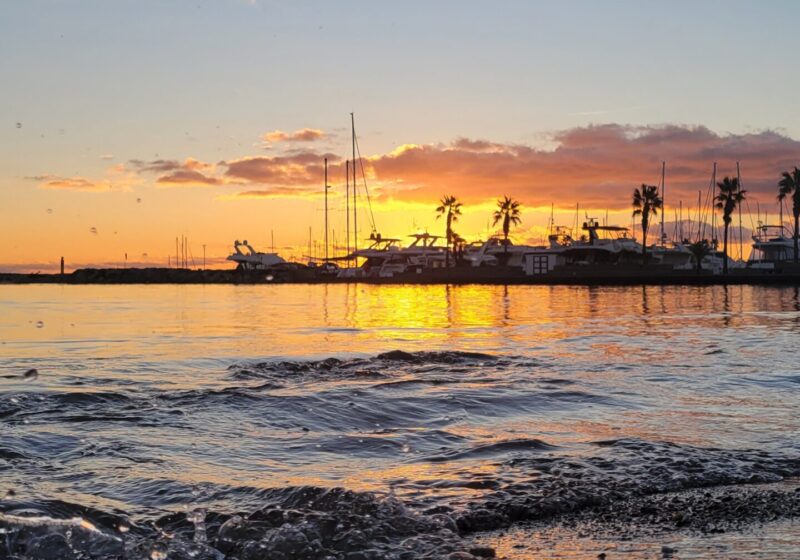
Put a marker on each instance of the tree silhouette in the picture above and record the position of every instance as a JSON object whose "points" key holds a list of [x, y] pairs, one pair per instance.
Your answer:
{"points": [[789, 186], [508, 212], [700, 249], [450, 207], [729, 196], [646, 201]]}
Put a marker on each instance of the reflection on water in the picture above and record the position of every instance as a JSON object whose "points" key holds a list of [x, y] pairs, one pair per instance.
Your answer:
{"points": [[186, 322], [156, 398]]}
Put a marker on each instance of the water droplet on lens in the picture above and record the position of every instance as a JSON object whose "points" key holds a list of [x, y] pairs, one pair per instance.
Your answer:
{"points": [[39, 324], [30, 375]]}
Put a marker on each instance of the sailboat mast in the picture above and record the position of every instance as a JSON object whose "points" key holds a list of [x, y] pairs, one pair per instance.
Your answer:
{"points": [[701, 224], [675, 228], [326, 209], [347, 208], [663, 203], [741, 237], [713, 213], [355, 185]]}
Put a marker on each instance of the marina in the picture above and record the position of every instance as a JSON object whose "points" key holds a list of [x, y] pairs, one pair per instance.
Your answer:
{"points": [[399, 281]]}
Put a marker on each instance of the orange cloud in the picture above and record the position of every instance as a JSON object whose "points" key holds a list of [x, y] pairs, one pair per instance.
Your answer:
{"points": [[301, 135], [278, 192], [595, 165], [298, 169], [71, 183]]}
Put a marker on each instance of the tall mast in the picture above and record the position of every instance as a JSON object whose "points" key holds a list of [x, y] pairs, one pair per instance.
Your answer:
{"points": [[663, 204], [355, 185], [326, 209], [741, 237], [701, 224], [347, 210], [675, 228], [713, 213]]}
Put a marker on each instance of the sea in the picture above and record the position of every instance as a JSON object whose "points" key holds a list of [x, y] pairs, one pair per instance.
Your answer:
{"points": [[366, 422]]}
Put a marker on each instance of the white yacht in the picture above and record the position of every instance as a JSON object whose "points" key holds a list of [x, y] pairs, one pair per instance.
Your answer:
{"points": [[603, 245], [250, 259], [771, 245], [385, 257]]}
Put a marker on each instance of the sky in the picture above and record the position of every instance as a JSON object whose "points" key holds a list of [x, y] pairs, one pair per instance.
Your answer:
{"points": [[126, 124]]}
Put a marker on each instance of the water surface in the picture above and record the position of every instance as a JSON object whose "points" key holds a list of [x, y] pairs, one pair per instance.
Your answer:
{"points": [[449, 401]]}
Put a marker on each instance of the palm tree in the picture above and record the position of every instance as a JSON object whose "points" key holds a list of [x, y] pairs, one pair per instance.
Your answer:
{"points": [[789, 185], [508, 212], [729, 196], [646, 201], [449, 207], [700, 249]]}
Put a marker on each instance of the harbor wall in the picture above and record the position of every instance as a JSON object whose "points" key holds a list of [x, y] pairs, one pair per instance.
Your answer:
{"points": [[632, 274]]}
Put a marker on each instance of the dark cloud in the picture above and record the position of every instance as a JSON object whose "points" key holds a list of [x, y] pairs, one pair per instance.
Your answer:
{"points": [[189, 172], [297, 169], [169, 165], [187, 177]]}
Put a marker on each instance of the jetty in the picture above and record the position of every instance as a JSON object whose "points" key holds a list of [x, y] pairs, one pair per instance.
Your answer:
{"points": [[597, 275]]}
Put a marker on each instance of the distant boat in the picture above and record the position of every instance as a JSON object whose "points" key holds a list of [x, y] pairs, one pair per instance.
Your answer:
{"points": [[604, 245], [252, 259], [770, 245], [385, 257]]}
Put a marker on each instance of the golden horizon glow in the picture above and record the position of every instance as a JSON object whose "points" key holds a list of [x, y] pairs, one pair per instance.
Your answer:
{"points": [[132, 214]]}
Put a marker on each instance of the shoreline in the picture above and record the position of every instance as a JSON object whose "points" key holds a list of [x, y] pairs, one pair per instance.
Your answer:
{"points": [[753, 520]]}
